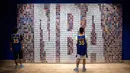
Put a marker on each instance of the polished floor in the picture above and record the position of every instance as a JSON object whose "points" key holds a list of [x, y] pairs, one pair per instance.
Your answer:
{"points": [[67, 68]]}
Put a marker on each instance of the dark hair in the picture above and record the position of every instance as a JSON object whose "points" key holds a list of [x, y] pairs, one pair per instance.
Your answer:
{"points": [[81, 30], [15, 30]]}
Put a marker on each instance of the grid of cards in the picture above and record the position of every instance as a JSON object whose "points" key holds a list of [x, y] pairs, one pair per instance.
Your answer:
{"points": [[25, 19], [49, 31]]}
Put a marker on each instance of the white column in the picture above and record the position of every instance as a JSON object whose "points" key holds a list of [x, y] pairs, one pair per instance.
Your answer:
{"points": [[65, 9], [36, 33], [39, 14], [51, 45], [93, 10]]}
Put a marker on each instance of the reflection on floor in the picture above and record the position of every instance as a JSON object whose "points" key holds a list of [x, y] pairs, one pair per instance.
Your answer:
{"points": [[67, 68]]}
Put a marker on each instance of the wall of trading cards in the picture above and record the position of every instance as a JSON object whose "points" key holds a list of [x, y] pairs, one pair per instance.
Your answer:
{"points": [[49, 31]]}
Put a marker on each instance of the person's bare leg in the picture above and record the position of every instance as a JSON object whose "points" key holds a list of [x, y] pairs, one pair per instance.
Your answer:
{"points": [[20, 61], [77, 65], [16, 62], [77, 62], [21, 65], [84, 62]]}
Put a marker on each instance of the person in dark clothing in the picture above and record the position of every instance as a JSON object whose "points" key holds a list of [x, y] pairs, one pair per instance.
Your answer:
{"points": [[16, 48]]}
